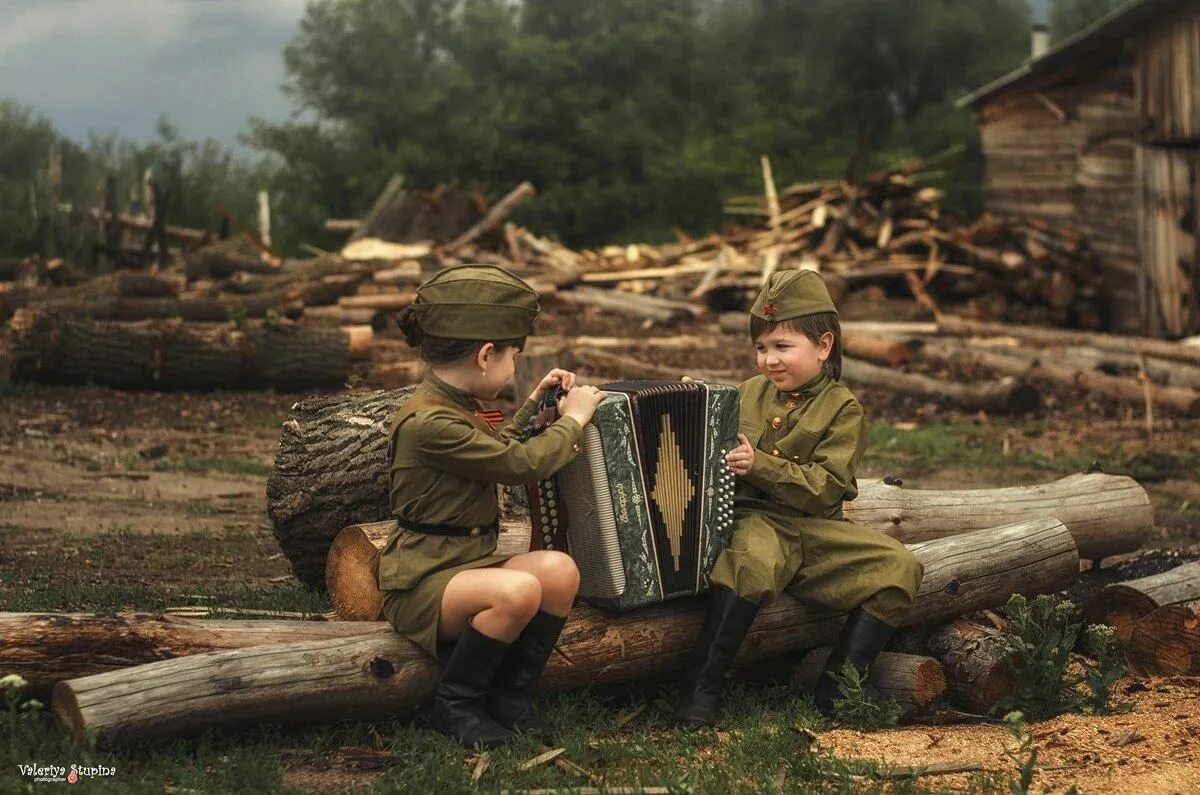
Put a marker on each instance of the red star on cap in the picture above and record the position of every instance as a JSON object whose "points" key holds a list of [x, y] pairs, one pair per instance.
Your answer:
{"points": [[770, 309]]}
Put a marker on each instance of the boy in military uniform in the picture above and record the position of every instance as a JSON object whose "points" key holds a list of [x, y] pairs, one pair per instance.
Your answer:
{"points": [[442, 580], [802, 436]]}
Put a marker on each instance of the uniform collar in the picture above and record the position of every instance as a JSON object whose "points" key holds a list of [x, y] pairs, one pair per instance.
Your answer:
{"points": [[462, 397], [809, 388]]}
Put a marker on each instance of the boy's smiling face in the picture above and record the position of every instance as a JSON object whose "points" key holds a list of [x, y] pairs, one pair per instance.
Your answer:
{"points": [[788, 358]]}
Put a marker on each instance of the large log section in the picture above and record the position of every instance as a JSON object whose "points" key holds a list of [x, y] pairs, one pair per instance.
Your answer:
{"points": [[377, 676], [171, 354]]}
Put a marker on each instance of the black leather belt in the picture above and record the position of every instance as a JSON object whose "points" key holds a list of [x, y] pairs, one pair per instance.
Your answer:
{"points": [[449, 530]]}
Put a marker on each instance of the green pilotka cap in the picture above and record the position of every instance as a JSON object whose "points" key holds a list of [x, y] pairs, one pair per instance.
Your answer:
{"points": [[792, 294], [476, 302]]}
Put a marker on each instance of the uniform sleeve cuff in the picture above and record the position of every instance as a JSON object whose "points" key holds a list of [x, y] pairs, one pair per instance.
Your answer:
{"points": [[764, 472]]}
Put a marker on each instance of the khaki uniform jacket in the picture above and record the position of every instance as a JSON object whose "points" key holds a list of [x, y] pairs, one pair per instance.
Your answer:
{"points": [[808, 445], [446, 462]]}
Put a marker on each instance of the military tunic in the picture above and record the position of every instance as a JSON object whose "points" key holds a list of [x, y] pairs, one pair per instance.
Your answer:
{"points": [[446, 462], [788, 526]]}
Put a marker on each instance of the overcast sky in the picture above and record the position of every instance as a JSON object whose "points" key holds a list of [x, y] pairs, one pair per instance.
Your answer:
{"points": [[119, 64]]}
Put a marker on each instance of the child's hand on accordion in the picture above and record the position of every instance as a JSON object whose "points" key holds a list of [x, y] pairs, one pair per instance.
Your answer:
{"points": [[580, 403], [741, 458], [556, 377]]}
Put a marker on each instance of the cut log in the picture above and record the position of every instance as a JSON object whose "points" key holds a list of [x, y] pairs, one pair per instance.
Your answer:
{"points": [[391, 191], [876, 348], [1107, 514], [494, 216], [1122, 604], [648, 307], [191, 308], [1179, 400], [224, 258], [46, 648], [1167, 641], [359, 340], [52, 347], [975, 659], [382, 302], [914, 681], [1162, 349], [148, 285], [1005, 396], [376, 677], [331, 472]]}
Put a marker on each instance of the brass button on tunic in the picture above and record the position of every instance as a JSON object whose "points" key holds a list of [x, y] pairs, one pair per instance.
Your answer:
{"points": [[445, 464]]}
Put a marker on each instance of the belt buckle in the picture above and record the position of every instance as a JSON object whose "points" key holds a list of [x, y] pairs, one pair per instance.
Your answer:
{"points": [[475, 532]]}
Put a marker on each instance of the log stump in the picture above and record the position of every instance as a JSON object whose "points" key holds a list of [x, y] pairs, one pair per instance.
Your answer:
{"points": [[914, 681], [1121, 605]]}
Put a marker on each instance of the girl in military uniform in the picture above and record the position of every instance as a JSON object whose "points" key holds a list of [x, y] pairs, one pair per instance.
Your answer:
{"points": [[492, 618], [802, 436]]}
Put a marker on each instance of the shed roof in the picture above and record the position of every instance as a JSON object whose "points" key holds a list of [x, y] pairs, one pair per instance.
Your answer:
{"points": [[1114, 26]]}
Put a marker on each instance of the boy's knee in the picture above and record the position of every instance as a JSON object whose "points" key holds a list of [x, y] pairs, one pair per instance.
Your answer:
{"points": [[910, 572]]}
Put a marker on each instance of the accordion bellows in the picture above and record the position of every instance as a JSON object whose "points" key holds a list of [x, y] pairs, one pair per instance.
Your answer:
{"points": [[647, 505]]}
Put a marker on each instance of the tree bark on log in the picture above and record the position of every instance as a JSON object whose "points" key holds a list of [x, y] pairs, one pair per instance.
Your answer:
{"points": [[1122, 604], [1163, 349], [331, 472], [1167, 641], [375, 677], [974, 657], [877, 348], [197, 309], [1006, 396], [46, 648], [914, 681], [1180, 400], [1107, 514], [170, 355]]}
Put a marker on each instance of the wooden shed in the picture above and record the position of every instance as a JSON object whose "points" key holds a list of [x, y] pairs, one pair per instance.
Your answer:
{"points": [[1101, 131]]}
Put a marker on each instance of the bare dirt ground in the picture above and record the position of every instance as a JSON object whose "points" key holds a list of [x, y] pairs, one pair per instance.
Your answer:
{"points": [[149, 499]]}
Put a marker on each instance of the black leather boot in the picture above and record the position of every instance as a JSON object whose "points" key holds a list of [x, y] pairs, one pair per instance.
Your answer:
{"points": [[460, 701], [863, 637], [509, 702], [725, 626]]}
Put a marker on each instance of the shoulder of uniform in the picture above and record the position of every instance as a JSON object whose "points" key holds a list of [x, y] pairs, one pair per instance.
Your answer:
{"points": [[426, 420], [839, 395], [756, 385]]}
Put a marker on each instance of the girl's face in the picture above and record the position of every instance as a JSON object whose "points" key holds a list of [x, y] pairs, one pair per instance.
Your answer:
{"points": [[496, 369], [789, 359]]}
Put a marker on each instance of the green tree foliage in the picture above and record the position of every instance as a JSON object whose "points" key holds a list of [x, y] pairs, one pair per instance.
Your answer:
{"points": [[1068, 16], [631, 117]]}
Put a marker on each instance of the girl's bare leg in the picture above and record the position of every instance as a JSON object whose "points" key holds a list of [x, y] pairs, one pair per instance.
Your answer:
{"points": [[497, 601], [557, 574]]}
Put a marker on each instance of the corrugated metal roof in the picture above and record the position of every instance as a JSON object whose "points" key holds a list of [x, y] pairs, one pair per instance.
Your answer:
{"points": [[1115, 25]]}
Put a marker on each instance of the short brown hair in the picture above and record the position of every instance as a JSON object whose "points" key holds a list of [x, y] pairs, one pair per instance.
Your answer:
{"points": [[811, 326]]}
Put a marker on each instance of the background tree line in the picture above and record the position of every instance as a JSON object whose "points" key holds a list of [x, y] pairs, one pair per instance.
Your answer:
{"points": [[632, 117]]}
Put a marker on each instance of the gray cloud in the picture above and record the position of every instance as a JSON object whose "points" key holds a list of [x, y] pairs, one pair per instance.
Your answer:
{"points": [[117, 65]]}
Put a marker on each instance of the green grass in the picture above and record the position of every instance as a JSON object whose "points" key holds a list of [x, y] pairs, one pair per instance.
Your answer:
{"points": [[101, 598], [762, 746], [938, 446]]}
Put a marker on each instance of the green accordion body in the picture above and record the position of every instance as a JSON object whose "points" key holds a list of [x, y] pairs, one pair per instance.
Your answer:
{"points": [[647, 505]]}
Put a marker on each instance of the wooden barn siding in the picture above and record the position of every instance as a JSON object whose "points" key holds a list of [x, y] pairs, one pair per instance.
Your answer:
{"points": [[1168, 77], [1078, 171]]}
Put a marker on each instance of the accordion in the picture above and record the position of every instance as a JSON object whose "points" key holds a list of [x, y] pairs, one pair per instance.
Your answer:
{"points": [[647, 505]]}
